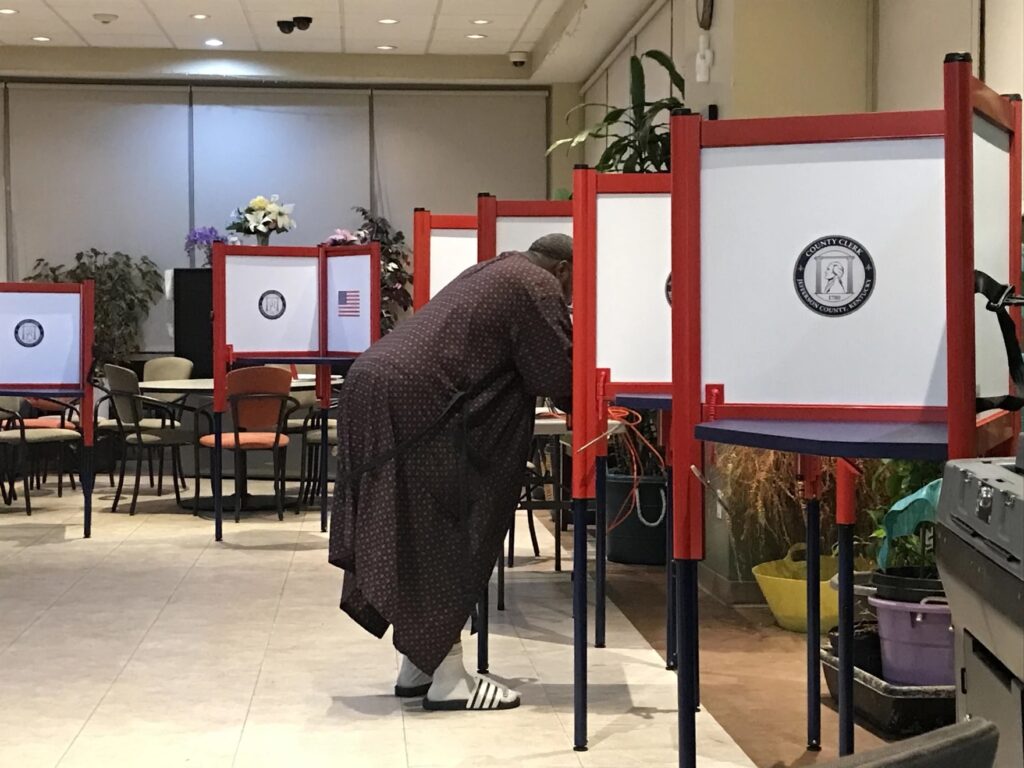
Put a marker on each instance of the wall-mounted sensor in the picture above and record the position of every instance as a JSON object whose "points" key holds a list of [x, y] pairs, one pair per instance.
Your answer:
{"points": [[303, 22], [105, 18]]}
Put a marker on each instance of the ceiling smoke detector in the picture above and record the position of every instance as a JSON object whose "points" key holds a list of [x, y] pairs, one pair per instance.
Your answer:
{"points": [[301, 23], [105, 18]]}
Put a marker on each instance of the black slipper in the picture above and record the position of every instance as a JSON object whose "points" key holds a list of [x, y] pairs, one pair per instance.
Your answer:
{"points": [[411, 691]]}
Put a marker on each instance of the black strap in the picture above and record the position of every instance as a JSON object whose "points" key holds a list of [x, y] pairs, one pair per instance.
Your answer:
{"points": [[998, 295]]}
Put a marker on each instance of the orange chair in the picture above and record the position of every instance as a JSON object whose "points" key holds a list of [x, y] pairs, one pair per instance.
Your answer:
{"points": [[260, 404]]}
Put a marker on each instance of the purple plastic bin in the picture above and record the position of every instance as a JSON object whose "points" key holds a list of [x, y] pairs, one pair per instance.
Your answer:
{"points": [[917, 642]]}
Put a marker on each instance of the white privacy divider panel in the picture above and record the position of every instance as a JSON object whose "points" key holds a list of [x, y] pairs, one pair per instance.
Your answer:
{"points": [[272, 303], [517, 233], [452, 251], [761, 208], [40, 338], [634, 260], [991, 243], [353, 305]]}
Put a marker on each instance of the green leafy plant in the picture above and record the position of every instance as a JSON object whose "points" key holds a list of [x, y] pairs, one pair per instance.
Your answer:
{"points": [[126, 289], [637, 134]]}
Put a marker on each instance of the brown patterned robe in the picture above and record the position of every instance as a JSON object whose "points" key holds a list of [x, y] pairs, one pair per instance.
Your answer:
{"points": [[418, 536]]}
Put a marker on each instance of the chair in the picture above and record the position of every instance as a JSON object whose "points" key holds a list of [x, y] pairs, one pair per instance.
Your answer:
{"points": [[52, 413], [164, 369], [140, 432], [969, 744], [16, 439], [260, 406], [312, 439]]}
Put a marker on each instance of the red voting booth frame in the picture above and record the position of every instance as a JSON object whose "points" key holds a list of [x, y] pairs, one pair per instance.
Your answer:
{"points": [[424, 222], [225, 356], [490, 209], [967, 433], [82, 388]]}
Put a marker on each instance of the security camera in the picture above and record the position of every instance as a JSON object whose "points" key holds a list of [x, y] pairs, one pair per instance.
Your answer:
{"points": [[287, 26], [303, 22], [519, 58], [105, 18]]}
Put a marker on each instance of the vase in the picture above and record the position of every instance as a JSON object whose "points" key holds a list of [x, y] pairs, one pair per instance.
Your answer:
{"points": [[263, 239]]}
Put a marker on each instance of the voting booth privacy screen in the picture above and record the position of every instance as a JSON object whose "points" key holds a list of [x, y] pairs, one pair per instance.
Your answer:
{"points": [[824, 269], [443, 247], [287, 304], [513, 225], [622, 316]]}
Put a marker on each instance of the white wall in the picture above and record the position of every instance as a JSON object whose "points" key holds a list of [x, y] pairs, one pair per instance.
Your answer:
{"points": [[3, 186], [439, 150], [310, 147], [1004, 45], [104, 167], [913, 38]]}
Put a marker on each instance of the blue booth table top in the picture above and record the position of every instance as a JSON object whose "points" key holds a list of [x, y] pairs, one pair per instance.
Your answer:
{"points": [[847, 440], [640, 402]]}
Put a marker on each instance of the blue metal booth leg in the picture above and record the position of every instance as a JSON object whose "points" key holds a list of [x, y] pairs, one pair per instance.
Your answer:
{"points": [[671, 583], [686, 636], [324, 449], [813, 624], [483, 622], [845, 639], [579, 616], [85, 474], [216, 469], [601, 542]]}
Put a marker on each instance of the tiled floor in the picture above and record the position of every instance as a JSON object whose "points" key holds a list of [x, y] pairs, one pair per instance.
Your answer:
{"points": [[151, 645]]}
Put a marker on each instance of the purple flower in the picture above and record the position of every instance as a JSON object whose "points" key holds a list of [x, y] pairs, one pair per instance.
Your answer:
{"points": [[202, 237]]}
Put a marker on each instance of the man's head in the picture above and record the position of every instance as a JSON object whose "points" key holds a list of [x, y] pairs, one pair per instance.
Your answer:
{"points": [[554, 253]]}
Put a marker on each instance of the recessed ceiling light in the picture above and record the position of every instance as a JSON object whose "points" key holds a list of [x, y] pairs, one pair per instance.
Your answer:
{"points": [[213, 42], [8, 11], [481, 21], [387, 21], [200, 16], [41, 39], [387, 47], [476, 37]]}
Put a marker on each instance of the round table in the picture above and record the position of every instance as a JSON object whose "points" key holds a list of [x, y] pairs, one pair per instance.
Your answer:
{"points": [[205, 386]]}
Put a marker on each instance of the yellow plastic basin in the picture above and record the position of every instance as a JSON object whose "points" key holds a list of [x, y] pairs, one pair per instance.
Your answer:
{"points": [[784, 585]]}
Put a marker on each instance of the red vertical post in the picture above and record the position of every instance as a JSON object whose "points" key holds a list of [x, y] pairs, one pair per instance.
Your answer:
{"points": [[1015, 220], [487, 227], [688, 494], [583, 319], [959, 148], [88, 330], [420, 257], [375, 272], [219, 331]]}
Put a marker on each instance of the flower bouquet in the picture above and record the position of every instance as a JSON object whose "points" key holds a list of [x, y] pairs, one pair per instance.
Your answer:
{"points": [[345, 237], [201, 240], [261, 217]]}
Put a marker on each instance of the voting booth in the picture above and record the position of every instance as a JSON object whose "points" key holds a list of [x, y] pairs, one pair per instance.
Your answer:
{"points": [[46, 336], [513, 225], [443, 246], [300, 305], [824, 280]]}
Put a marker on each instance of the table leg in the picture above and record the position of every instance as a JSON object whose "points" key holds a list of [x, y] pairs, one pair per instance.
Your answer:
{"points": [[215, 478], [686, 634], [694, 629], [85, 473], [482, 627], [501, 578], [324, 450], [671, 584], [813, 624], [579, 617], [601, 541], [556, 494]]}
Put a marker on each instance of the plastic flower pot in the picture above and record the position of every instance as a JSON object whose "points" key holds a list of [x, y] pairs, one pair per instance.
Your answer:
{"points": [[917, 641], [784, 585], [639, 539]]}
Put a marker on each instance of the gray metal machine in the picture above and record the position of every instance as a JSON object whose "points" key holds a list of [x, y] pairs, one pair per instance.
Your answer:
{"points": [[980, 552]]}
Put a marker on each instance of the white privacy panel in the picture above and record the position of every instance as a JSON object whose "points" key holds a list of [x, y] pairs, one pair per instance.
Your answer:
{"points": [[40, 338], [991, 249], [634, 260], [272, 304], [761, 209], [451, 252], [517, 233], [349, 311]]}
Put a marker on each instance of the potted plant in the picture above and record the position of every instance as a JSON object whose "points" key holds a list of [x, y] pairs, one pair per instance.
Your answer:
{"points": [[126, 290], [636, 486], [395, 279], [262, 217], [200, 241]]}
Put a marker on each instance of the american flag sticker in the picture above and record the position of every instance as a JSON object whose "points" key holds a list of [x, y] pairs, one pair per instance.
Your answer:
{"points": [[348, 303]]}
